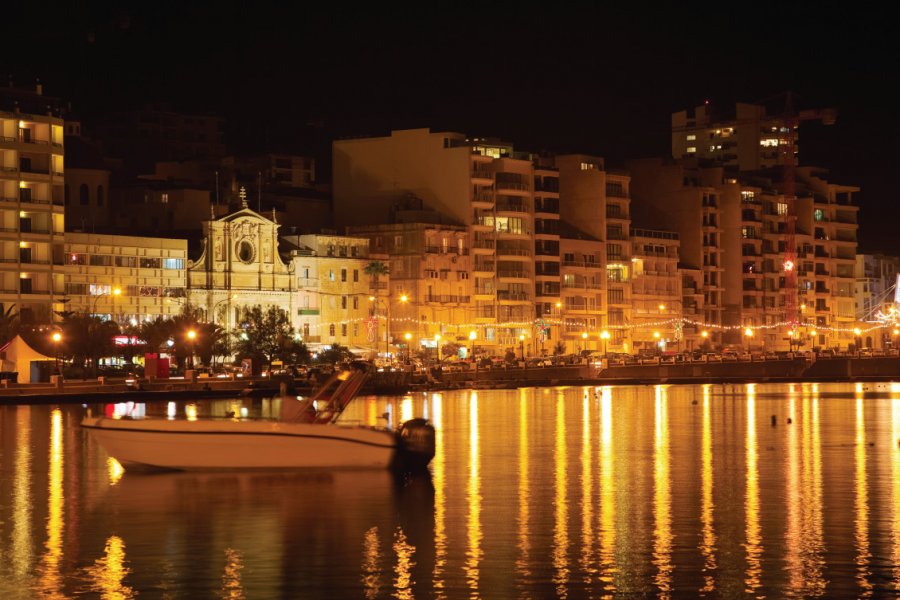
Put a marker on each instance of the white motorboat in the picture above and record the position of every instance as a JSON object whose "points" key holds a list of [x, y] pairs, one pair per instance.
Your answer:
{"points": [[303, 438]]}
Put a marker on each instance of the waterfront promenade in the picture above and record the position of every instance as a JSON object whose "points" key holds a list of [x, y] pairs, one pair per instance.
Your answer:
{"points": [[646, 371]]}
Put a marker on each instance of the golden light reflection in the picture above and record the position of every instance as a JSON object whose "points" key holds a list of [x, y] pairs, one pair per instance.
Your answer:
{"points": [[792, 492], [607, 494], [861, 522], [473, 495], [372, 411], [232, 588], [108, 573], [707, 506], [405, 553], [49, 581], [587, 496], [371, 570], [813, 534], [191, 412], [522, 562], [662, 499], [21, 533], [438, 474], [753, 528], [895, 484], [406, 409], [560, 524], [115, 470]]}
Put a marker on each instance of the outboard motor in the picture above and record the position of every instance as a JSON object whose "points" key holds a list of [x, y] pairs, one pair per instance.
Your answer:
{"points": [[415, 445]]}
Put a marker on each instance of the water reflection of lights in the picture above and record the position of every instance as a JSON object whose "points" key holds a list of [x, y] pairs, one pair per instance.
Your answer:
{"points": [[473, 496], [22, 544], [524, 517], [171, 410], [232, 588], [753, 529], [371, 569], [49, 581], [560, 524], [662, 499], [405, 553], [108, 573], [406, 409], [587, 495], [861, 524], [607, 494], [115, 470], [190, 412], [438, 474], [794, 564], [707, 505], [895, 482]]}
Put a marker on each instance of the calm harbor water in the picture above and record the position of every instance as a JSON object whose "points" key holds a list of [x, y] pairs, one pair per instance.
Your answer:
{"points": [[683, 491]]}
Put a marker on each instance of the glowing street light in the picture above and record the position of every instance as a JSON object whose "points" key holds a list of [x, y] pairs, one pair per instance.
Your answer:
{"points": [[57, 338], [437, 346], [408, 337], [522, 341], [604, 335], [748, 332], [191, 336]]}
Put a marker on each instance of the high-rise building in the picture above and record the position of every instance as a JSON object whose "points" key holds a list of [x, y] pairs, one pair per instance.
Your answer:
{"points": [[656, 292], [32, 195], [483, 185], [749, 138]]}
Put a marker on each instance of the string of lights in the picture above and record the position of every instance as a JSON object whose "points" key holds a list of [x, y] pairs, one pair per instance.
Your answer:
{"points": [[638, 326]]}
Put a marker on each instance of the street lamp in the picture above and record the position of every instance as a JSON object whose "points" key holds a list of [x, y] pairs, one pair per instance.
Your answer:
{"points": [[117, 291], [857, 333], [437, 346], [604, 335], [408, 337], [472, 336], [57, 338], [191, 336], [522, 341]]}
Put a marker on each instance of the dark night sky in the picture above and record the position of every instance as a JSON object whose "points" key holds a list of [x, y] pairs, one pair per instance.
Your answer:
{"points": [[587, 78]]}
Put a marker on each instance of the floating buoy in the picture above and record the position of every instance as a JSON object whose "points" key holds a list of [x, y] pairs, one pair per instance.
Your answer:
{"points": [[774, 420], [789, 421], [694, 402]]}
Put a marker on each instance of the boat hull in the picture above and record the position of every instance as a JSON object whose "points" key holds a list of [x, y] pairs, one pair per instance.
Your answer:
{"points": [[221, 445]]}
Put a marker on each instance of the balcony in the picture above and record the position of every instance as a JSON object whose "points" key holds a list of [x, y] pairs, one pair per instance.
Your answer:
{"points": [[444, 299], [483, 198], [516, 186], [484, 267], [503, 251], [512, 296], [482, 174], [510, 274], [513, 207], [483, 291], [580, 264]]}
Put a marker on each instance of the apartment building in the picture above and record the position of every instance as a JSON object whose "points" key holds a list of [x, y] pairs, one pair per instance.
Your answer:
{"points": [[32, 194], [483, 185], [127, 279], [431, 283], [656, 292], [332, 290], [877, 298], [669, 195], [581, 291], [748, 138]]}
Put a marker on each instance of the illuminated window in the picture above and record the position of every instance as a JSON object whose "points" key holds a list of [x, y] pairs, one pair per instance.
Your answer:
{"points": [[769, 142], [587, 166], [747, 195], [781, 208], [692, 150], [819, 214], [691, 137]]}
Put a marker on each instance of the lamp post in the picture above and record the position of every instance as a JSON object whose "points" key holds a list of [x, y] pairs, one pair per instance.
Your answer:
{"points": [[437, 347], [559, 316], [472, 336], [748, 333], [604, 335], [117, 291], [895, 333], [857, 333], [408, 337], [522, 341], [191, 336], [57, 338]]}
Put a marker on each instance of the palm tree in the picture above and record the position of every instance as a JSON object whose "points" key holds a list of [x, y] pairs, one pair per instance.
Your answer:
{"points": [[376, 269], [9, 325], [89, 339]]}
